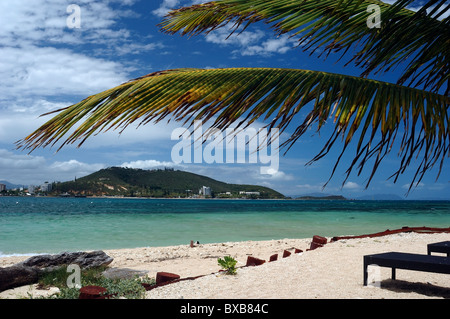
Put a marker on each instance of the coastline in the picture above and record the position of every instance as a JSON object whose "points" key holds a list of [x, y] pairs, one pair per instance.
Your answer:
{"points": [[334, 271]]}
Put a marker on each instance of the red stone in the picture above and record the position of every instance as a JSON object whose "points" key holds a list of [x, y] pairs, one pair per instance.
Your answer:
{"points": [[286, 254], [315, 245], [273, 257], [297, 251], [253, 261], [319, 240], [163, 277], [93, 292]]}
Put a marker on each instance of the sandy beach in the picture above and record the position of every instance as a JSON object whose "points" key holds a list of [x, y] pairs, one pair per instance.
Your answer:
{"points": [[334, 271]]}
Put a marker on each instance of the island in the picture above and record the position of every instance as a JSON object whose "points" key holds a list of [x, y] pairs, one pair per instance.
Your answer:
{"points": [[156, 183]]}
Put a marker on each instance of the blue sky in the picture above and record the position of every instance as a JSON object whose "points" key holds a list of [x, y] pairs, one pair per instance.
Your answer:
{"points": [[45, 66]]}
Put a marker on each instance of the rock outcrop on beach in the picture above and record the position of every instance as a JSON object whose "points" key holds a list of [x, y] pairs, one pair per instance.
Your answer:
{"points": [[29, 271], [17, 276], [85, 260]]}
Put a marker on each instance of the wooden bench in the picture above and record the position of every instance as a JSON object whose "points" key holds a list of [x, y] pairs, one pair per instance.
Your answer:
{"points": [[442, 247], [394, 260]]}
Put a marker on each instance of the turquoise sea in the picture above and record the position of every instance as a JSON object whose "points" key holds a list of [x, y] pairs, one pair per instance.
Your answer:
{"points": [[52, 225]]}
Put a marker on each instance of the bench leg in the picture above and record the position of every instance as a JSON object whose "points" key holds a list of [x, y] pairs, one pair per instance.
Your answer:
{"points": [[393, 273], [366, 274]]}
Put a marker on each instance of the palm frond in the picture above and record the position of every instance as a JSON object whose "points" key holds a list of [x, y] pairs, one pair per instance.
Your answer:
{"points": [[369, 111], [337, 26]]}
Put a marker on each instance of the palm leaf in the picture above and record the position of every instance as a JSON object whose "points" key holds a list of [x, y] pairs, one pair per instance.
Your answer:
{"points": [[332, 25], [372, 112]]}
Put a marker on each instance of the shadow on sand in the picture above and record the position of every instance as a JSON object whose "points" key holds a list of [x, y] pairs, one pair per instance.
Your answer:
{"points": [[426, 289]]}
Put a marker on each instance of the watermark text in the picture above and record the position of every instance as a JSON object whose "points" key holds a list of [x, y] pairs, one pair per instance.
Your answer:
{"points": [[374, 19], [241, 146], [74, 19]]}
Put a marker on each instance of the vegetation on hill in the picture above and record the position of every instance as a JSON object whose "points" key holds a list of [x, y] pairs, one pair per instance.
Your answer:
{"points": [[118, 181], [331, 197]]}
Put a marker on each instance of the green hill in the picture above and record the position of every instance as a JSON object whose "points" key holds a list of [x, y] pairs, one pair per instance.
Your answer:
{"points": [[331, 197], [117, 181]]}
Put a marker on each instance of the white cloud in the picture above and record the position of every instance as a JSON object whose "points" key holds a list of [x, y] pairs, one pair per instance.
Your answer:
{"points": [[22, 117], [43, 62], [165, 7], [415, 185], [309, 187], [137, 48], [10, 161], [28, 169], [159, 134], [46, 20], [148, 164], [351, 186], [41, 55], [251, 43], [274, 175], [73, 166], [244, 39], [279, 45], [168, 5], [47, 71]]}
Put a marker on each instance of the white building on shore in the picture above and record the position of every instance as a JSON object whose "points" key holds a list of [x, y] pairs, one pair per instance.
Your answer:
{"points": [[205, 191], [46, 187], [31, 189], [249, 193]]}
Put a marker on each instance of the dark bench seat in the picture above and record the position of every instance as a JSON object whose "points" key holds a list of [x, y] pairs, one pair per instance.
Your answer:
{"points": [[394, 260], [442, 247]]}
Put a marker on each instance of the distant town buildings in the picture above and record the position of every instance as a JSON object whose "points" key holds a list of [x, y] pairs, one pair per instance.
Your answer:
{"points": [[46, 187], [31, 189], [2, 187], [249, 193], [205, 191]]}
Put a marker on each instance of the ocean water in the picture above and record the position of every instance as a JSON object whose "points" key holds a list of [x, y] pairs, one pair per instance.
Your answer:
{"points": [[52, 225]]}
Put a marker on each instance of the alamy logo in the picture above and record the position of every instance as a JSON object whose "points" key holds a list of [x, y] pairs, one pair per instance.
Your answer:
{"points": [[74, 19], [374, 19], [74, 280], [373, 276], [241, 146]]}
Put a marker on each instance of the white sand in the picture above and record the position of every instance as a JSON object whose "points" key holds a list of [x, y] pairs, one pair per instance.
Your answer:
{"points": [[333, 271]]}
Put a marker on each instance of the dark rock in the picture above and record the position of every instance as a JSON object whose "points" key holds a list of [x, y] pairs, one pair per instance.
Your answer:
{"points": [[28, 271], [286, 253], [16, 276], [85, 260], [273, 257], [297, 251]]}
